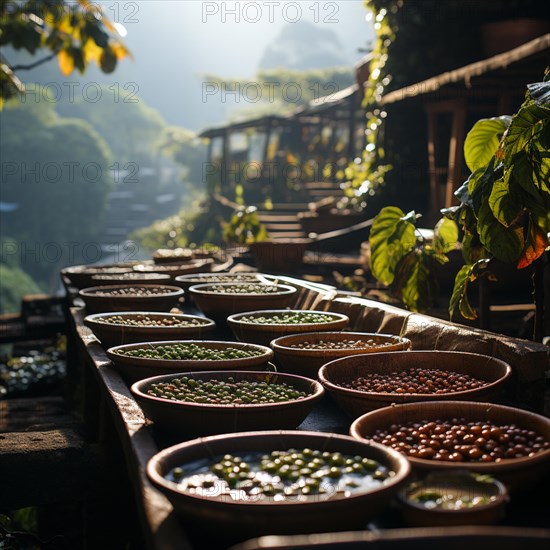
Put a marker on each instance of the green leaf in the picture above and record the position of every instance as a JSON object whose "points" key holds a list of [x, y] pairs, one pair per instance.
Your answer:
{"points": [[463, 193], [392, 236], [445, 235], [540, 92], [525, 124], [108, 60], [418, 285], [459, 300], [483, 140], [541, 169], [536, 243], [505, 202], [504, 243], [480, 183], [522, 174], [472, 249]]}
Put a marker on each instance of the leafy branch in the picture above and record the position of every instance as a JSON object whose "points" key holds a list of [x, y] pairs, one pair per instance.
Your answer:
{"points": [[402, 258], [76, 33], [245, 227], [504, 206]]}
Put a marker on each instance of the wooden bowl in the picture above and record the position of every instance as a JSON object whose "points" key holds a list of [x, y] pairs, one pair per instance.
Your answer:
{"points": [[97, 301], [245, 519], [187, 281], [247, 331], [80, 276], [218, 305], [449, 484], [199, 419], [173, 255], [176, 269], [111, 334], [307, 362], [131, 278], [517, 473], [133, 369], [356, 402]]}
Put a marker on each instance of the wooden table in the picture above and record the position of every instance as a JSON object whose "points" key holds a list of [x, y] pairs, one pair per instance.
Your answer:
{"points": [[115, 419]]}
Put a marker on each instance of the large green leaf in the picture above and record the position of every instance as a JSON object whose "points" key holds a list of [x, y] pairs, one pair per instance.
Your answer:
{"points": [[445, 235], [472, 249], [480, 183], [483, 140], [540, 92], [391, 237], [506, 202], [536, 242], [419, 283], [525, 124], [541, 168], [459, 299], [522, 174], [504, 243], [463, 193]]}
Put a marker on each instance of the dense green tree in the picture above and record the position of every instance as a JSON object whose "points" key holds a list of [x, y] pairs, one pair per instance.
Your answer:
{"points": [[55, 174], [15, 284], [130, 128]]}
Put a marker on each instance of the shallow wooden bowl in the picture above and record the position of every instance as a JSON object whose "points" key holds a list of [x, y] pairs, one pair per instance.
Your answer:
{"points": [[200, 419], [219, 306], [517, 473], [80, 276], [133, 369], [355, 402], [110, 334], [246, 519], [187, 281], [307, 362], [462, 483], [176, 269], [97, 302], [264, 333]]}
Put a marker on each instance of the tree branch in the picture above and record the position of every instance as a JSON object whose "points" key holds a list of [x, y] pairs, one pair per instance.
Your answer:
{"points": [[35, 64]]}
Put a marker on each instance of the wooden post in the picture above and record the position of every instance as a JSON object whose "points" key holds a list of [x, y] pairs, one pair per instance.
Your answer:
{"points": [[456, 152], [432, 166], [538, 295]]}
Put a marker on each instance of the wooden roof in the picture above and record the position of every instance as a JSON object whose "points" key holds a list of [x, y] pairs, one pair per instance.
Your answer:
{"points": [[489, 74], [262, 122]]}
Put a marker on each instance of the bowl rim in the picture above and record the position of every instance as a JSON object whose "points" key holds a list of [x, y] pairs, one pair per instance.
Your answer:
{"points": [[137, 390], [277, 346], [502, 495], [112, 351], [454, 406], [198, 276], [167, 267], [337, 318], [84, 269], [168, 487], [92, 291], [94, 320], [200, 290], [106, 276], [332, 387]]}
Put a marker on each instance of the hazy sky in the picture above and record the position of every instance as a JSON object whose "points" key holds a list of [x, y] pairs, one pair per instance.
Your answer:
{"points": [[175, 42]]}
